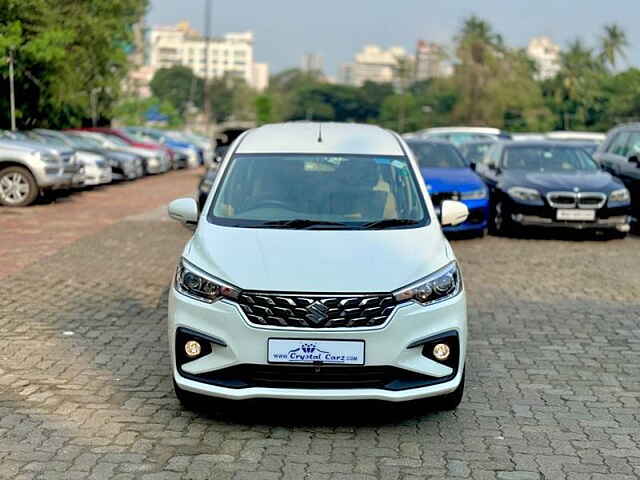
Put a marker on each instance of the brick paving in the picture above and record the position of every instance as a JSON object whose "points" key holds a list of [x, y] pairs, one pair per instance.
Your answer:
{"points": [[553, 383], [28, 234]]}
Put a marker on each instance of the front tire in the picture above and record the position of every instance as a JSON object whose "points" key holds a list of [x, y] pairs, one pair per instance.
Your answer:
{"points": [[450, 401], [188, 400], [18, 188], [500, 224]]}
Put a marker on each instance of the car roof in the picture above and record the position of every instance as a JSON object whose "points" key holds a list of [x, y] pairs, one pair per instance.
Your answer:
{"points": [[574, 135], [437, 140], [321, 137], [540, 143], [485, 130]]}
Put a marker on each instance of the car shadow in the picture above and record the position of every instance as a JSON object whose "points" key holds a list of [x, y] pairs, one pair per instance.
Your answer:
{"points": [[315, 413], [563, 234]]}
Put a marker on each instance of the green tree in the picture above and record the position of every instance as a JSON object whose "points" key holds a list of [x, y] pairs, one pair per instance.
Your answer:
{"points": [[613, 44], [66, 53], [179, 86], [133, 111]]}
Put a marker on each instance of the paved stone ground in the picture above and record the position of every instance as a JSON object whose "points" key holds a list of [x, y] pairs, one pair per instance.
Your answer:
{"points": [[28, 234], [553, 387]]}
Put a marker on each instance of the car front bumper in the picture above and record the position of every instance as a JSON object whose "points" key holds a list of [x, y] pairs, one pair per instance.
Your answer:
{"points": [[54, 178], [386, 346], [607, 218], [97, 176]]}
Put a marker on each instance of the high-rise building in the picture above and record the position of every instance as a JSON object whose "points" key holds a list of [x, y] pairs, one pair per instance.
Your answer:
{"points": [[431, 61], [180, 44], [546, 54], [312, 62], [373, 64], [260, 76]]}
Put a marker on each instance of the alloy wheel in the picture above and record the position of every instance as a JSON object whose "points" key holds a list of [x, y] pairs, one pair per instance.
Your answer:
{"points": [[14, 188]]}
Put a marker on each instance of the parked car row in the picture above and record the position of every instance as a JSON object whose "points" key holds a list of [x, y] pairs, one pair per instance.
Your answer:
{"points": [[555, 181], [40, 160]]}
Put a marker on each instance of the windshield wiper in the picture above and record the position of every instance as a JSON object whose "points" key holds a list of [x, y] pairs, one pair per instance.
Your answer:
{"points": [[302, 223], [388, 223]]}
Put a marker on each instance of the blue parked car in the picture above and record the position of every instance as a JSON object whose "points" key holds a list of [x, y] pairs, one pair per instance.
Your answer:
{"points": [[449, 177], [186, 154]]}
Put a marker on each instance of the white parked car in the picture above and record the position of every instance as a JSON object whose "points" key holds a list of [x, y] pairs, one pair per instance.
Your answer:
{"points": [[97, 170], [318, 270], [460, 135], [573, 136]]}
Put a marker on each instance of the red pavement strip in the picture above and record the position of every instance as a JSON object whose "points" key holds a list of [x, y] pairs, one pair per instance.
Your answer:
{"points": [[32, 233]]}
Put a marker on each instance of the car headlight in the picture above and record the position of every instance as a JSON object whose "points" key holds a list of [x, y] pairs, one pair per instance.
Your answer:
{"points": [[474, 194], [437, 287], [526, 195], [620, 196], [199, 285], [49, 159]]}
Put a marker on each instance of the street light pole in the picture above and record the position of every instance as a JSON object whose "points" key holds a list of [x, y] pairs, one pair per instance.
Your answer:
{"points": [[12, 92], [205, 83]]}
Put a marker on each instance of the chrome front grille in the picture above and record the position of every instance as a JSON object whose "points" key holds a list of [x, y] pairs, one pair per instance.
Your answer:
{"points": [[316, 311], [68, 163], [592, 200]]}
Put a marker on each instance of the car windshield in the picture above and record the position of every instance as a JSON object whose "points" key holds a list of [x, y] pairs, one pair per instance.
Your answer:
{"points": [[546, 158], [318, 191], [80, 142], [474, 152], [49, 140], [459, 138], [116, 140], [437, 155], [138, 136]]}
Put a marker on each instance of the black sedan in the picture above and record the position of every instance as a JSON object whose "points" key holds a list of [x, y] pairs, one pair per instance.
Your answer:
{"points": [[552, 184]]}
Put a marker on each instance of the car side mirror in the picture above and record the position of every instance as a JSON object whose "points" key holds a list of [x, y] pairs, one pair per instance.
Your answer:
{"points": [[184, 210], [472, 166], [453, 213], [634, 159]]}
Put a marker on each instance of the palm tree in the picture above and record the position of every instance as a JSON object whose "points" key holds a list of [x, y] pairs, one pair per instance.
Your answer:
{"points": [[613, 44], [478, 35], [478, 49]]}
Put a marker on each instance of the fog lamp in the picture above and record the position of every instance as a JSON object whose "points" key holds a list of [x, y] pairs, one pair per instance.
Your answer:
{"points": [[441, 352], [192, 348]]}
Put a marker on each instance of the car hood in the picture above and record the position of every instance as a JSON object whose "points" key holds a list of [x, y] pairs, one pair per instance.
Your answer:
{"points": [[147, 146], [326, 261], [596, 181], [141, 152], [23, 146], [451, 179], [177, 144], [120, 155]]}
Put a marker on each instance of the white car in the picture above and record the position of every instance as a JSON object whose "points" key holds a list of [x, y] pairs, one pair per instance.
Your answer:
{"points": [[460, 135], [318, 270], [97, 169]]}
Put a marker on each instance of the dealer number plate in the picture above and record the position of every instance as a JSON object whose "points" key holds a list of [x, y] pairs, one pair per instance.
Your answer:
{"points": [[576, 214], [337, 352]]}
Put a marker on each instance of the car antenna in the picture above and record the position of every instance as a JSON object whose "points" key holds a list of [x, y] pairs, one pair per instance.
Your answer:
{"points": [[319, 133]]}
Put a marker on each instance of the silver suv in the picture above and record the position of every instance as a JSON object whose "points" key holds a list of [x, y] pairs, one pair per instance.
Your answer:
{"points": [[26, 168]]}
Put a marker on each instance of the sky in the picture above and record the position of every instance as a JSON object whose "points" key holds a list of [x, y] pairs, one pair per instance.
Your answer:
{"points": [[285, 30]]}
